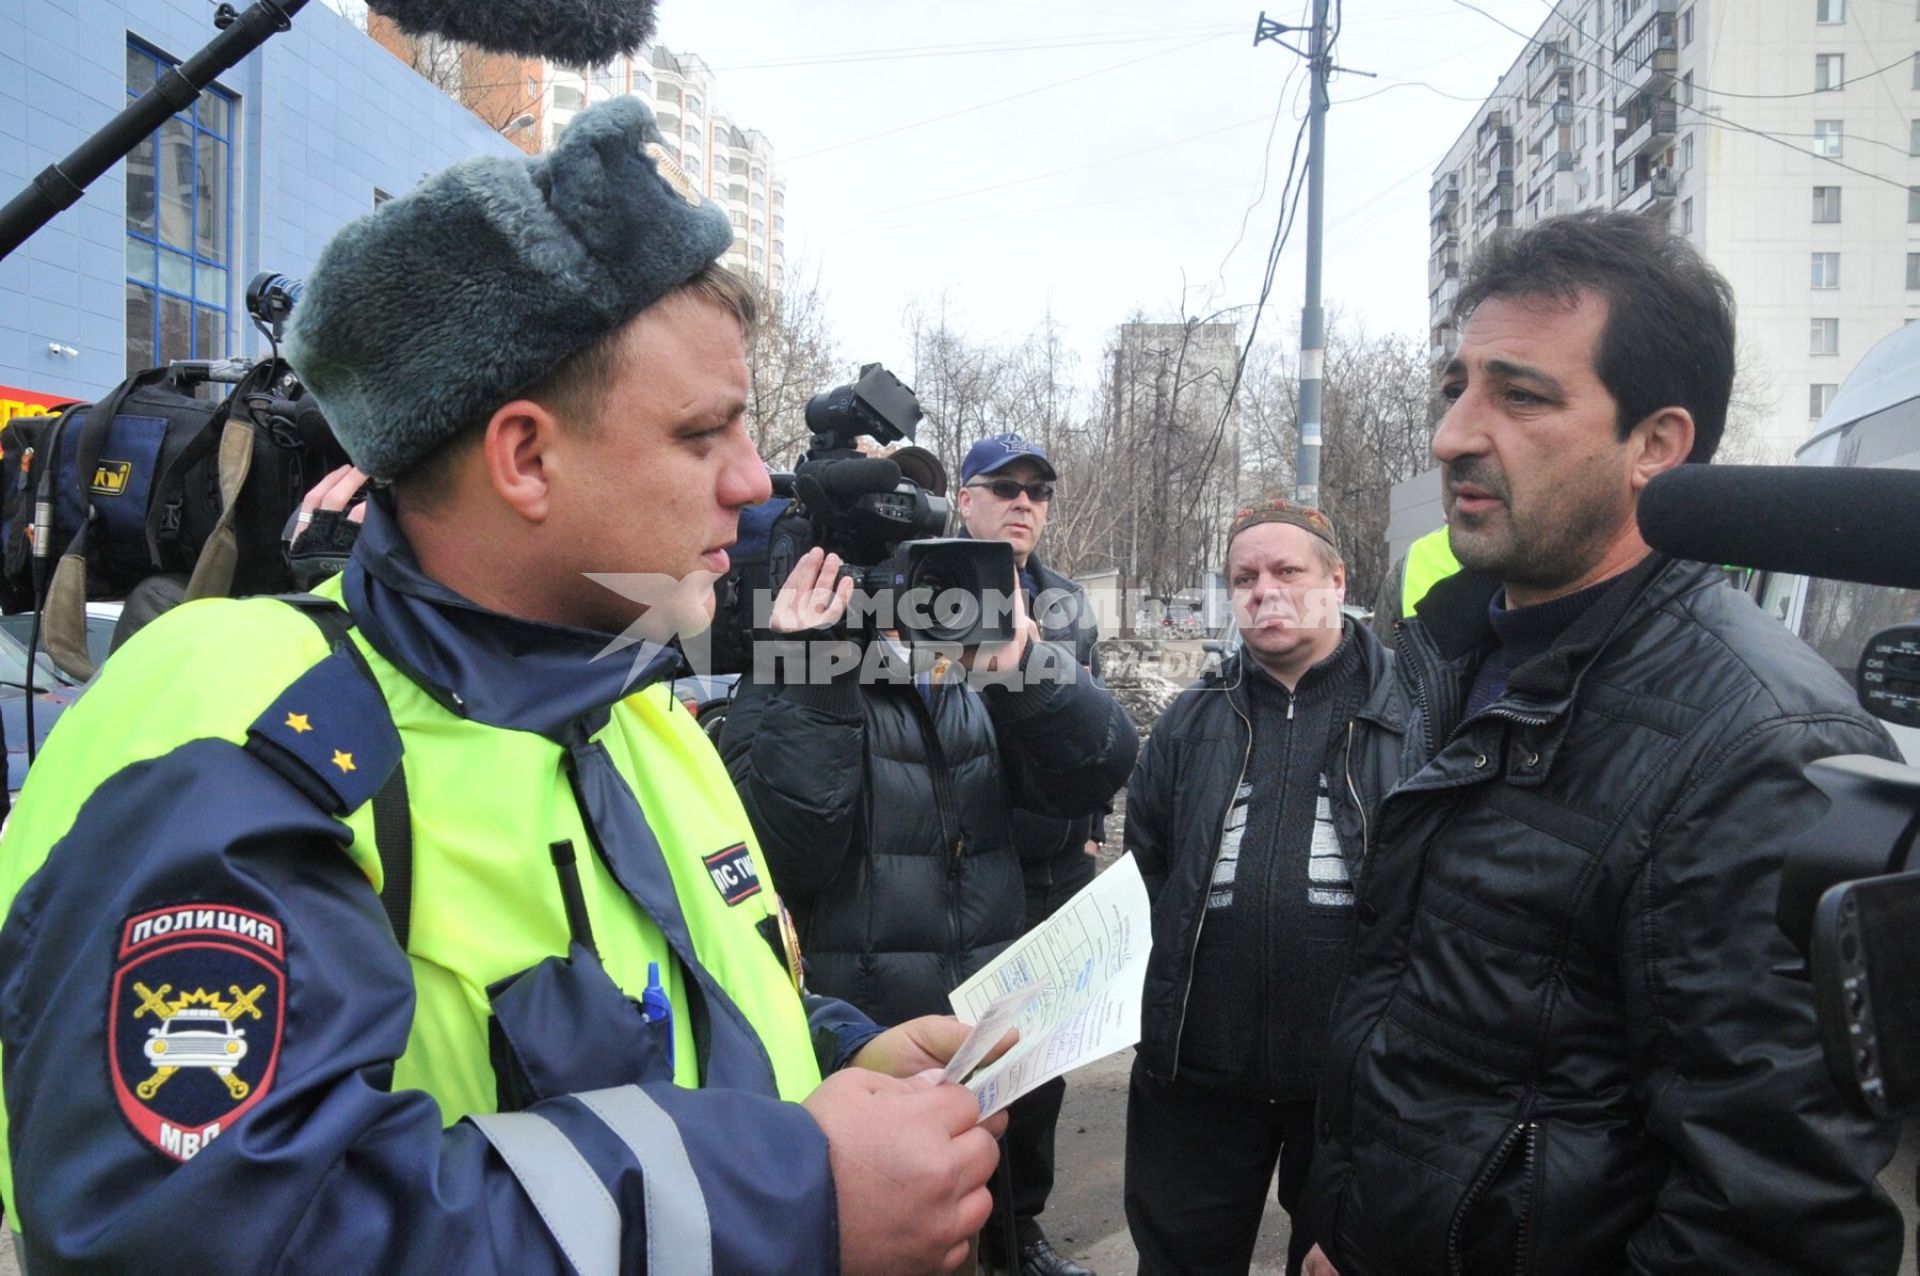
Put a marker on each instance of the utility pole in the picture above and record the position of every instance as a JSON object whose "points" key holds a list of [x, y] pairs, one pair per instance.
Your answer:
{"points": [[1313, 325]]}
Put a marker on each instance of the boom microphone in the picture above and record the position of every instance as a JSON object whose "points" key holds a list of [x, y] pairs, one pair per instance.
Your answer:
{"points": [[1836, 522], [574, 33]]}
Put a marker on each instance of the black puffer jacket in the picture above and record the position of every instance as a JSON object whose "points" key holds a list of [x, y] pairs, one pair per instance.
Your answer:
{"points": [[886, 822], [1561, 1048], [1053, 850], [1177, 807]]}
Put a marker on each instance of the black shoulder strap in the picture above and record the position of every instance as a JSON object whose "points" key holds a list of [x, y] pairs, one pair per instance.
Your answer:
{"points": [[392, 821]]}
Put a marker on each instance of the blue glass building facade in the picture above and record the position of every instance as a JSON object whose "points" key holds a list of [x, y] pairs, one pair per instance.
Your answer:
{"points": [[313, 129]]}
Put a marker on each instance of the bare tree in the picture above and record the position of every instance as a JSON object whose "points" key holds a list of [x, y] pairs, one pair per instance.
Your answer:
{"points": [[791, 357], [958, 381], [1379, 417], [1752, 404]]}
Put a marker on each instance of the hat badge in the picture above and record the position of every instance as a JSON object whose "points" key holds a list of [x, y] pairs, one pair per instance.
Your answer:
{"points": [[670, 173]]}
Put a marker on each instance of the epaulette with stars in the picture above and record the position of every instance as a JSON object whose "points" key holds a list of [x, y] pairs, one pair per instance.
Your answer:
{"points": [[330, 734]]}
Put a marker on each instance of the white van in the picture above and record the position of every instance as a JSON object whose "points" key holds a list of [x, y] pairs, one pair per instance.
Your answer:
{"points": [[1874, 420]]}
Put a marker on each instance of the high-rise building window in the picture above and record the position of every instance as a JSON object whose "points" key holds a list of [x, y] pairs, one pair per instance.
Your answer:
{"points": [[1825, 337], [1916, 69], [1819, 399], [1686, 216], [1913, 138], [1686, 28], [1913, 205], [1830, 11], [179, 225], [1686, 89], [1826, 203], [1826, 270], [1913, 272], [1829, 138], [1686, 152], [1829, 71]]}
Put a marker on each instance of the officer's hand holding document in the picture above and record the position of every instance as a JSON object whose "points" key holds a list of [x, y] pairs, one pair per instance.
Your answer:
{"points": [[1071, 985]]}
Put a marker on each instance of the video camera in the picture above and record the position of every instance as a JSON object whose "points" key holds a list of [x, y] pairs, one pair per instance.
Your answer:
{"points": [[1848, 899], [886, 517], [1850, 902]]}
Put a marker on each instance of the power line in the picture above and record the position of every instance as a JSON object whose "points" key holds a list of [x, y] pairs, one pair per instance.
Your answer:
{"points": [[1029, 211], [911, 53], [1535, 42], [1266, 163], [999, 101], [1036, 44], [1721, 121], [1072, 168]]}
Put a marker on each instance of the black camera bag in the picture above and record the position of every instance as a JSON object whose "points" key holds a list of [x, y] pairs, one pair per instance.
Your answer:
{"points": [[156, 480]]}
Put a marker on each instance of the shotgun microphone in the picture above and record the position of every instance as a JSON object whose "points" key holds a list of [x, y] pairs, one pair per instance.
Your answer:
{"points": [[1834, 522]]}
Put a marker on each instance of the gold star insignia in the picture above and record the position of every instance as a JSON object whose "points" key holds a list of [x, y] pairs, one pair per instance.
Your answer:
{"points": [[343, 760], [299, 724]]}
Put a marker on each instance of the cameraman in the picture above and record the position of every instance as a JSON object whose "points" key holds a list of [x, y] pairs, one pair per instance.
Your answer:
{"points": [[886, 810]]}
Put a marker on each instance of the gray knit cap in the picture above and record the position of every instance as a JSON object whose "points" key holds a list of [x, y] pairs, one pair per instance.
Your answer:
{"points": [[424, 317]]}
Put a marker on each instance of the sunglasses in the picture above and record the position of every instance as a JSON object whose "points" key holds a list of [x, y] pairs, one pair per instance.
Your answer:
{"points": [[1006, 489]]}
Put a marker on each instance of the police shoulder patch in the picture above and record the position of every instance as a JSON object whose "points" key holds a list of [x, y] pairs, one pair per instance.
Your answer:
{"points": [[195, 1017], [733, 872]]}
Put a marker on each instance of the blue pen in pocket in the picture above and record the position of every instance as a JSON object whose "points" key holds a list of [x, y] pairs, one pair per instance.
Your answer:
{"points": [[655, 1007]]}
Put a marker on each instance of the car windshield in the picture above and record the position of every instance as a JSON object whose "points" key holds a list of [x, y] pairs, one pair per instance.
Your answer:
{"points": [[16, 631]]}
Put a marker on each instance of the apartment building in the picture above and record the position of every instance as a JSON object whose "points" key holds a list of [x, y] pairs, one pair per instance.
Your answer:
{"points": [[1781, 136], [713, 156]]}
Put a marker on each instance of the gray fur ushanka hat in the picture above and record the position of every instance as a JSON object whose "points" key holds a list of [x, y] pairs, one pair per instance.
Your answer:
{"points": [[424, 317]]}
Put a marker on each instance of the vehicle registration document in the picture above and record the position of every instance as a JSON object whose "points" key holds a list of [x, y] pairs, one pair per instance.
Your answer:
{"points": [[1072, 985]]}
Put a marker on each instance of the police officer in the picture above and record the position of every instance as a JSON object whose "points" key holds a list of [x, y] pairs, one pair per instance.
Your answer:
{"points": [[400, 932]]}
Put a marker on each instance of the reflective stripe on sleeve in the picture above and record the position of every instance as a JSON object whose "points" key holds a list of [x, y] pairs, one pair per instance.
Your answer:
{"points": [[569, 1196], [679, 1231]]}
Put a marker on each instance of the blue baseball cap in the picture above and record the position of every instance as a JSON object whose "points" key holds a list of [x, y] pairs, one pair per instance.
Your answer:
{"points": [[1000, 451]]}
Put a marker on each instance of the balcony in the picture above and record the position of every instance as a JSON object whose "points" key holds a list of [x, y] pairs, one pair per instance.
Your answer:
{"points": [[1443, 297], [1549, 60], [1553, 115], [1656, 73], [1443, 267], [1446, 194], [1560, 193], [1650, 196], [1493, 135], [1445, 233], [1654, 133]]}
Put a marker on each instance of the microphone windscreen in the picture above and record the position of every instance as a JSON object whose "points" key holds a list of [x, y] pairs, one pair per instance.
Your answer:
{"points": [[573, 33], [1836, 522]]}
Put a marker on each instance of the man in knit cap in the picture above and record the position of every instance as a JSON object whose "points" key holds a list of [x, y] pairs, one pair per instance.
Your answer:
{"points": [[1248, 815]]}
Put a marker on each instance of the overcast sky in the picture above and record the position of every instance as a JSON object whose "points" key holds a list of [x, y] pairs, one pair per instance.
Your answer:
{"points": [[1092, 157]]}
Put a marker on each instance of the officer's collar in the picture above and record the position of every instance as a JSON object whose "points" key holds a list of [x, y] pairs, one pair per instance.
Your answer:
{"points": [[502, 670]]}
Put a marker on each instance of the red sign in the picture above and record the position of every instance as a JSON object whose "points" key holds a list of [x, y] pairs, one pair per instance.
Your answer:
{"points": [[17, 402]]}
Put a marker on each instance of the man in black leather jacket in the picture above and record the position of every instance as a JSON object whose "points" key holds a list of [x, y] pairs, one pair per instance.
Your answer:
{"points": [[1248, 817], [1563, 1046]]}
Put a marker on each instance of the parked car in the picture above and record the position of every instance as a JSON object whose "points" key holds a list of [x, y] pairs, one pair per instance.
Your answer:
{"points": [[51, 688], [707, 697]]}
